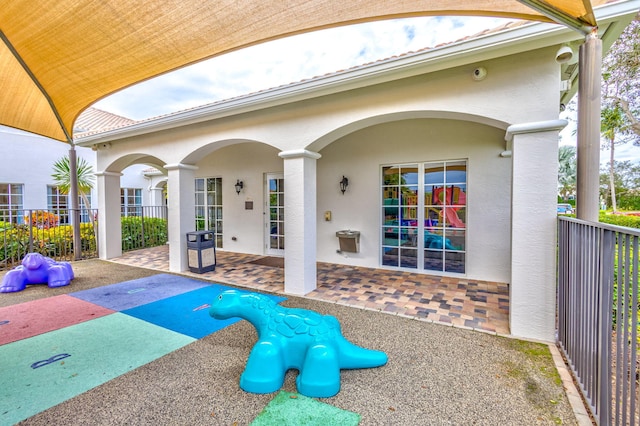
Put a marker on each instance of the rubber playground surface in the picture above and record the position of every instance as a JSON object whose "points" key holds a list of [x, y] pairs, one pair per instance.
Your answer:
{"points": [[58, 347], [145, 351]]}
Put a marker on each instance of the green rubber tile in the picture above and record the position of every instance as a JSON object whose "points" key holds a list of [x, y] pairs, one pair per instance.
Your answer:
{"points": [[293, 409], [45, 370]]}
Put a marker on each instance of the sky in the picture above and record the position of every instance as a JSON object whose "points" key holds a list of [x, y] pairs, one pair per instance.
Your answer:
{"points": [[300, 57], [623, 151]]}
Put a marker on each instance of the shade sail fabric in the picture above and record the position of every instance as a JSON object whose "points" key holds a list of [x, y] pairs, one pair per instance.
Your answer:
{"points": [[60, 56]]}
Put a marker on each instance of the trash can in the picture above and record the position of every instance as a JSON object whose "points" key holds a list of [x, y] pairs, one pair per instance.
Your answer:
{"points": [[349, 240], [201, 248]]}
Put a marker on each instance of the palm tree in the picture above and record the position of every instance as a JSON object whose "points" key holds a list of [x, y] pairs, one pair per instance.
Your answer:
{"points": [[612, 123], [62, 178], [567, 164]]}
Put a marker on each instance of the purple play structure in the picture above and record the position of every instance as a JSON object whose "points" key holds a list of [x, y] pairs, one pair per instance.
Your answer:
{"points": [[37, 269]]}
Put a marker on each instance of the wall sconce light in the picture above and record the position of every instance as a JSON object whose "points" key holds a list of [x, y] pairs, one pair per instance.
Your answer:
{"points": [[239, 185], [343, 184]]}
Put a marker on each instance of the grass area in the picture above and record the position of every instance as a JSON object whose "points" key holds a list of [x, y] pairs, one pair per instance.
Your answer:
{"points": [[534, 370]]}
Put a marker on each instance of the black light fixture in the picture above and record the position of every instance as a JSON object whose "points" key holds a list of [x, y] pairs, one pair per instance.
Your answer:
{"points": [[343, 184], [239, 185]]}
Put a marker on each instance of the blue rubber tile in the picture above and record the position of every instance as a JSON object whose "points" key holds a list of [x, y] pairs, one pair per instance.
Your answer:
{"points": [[187, 313], [129, 294]]}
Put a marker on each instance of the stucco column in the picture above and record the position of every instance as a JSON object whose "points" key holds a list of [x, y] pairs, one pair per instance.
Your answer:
{"points": [[181, 212], [534, 228], [109, 224], [300, 270], [155, 196]]}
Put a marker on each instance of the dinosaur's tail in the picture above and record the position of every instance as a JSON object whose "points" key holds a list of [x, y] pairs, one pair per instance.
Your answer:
{"points": [[354, 356]]}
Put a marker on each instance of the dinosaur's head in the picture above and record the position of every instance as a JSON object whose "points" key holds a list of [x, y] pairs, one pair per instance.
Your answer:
{"points": [[227, 305]]}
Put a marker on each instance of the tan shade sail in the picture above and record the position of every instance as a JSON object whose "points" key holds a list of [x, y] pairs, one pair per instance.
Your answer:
{"points": [[58, 57]]}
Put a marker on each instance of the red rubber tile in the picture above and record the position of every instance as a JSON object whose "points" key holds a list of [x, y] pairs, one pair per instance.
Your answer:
{"points": [[30, 319]]}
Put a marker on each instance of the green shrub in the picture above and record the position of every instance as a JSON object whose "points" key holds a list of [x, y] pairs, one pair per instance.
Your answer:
{"points": [[55, 242], [155, 232], [620, 220]]}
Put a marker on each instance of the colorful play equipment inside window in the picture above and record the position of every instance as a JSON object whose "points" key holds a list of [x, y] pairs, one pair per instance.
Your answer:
{"points": [[424, 216]]}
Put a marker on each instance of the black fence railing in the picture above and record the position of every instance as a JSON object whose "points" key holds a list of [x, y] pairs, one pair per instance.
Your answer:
{"points": [[48, 232], [598, 305], [144, 226]]}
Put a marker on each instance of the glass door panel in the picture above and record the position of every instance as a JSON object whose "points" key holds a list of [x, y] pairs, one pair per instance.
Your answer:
{"points": [[424, 216], [275, 214], [208, 207]]}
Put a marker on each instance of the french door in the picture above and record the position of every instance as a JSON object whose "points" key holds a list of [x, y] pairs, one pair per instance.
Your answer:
{"points": [[424, 211], [274, 214]]}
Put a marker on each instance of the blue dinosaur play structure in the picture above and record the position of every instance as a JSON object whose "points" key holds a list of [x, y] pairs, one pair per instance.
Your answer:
{"points": [[37, 269], [293, 338]]}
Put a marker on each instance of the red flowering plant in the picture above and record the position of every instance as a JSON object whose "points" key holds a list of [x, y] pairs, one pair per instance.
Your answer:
{"points": [[42, 219]]}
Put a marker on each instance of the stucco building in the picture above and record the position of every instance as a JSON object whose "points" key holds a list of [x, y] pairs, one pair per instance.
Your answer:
{"points": [[27, 165], [450, 155]]}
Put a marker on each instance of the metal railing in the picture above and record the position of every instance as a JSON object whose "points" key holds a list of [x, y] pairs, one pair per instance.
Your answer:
{"points": [[47, 232], [144, 226], [598, 316]]}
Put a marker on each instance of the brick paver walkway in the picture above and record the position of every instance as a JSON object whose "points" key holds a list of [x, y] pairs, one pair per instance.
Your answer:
{"points": [[478, 305]]}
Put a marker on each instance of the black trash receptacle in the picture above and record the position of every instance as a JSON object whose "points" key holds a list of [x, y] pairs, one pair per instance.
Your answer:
{"points": [[201, 248]]}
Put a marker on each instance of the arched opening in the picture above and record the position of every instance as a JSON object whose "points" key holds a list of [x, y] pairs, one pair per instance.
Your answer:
{"points": [[424, 199]]}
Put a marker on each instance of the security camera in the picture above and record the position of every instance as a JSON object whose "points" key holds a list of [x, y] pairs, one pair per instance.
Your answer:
{"points": [[101, 146], [479, 73]]}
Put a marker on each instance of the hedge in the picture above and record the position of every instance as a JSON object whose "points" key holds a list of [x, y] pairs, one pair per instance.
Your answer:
{"points": [[628, 221], [57, 241]]}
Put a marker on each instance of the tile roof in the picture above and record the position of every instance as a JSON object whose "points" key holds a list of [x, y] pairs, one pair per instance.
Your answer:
{"points": [[94, 120]]}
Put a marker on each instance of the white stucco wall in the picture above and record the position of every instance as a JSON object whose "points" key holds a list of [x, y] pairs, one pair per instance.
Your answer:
{"points": [[445, 115], [359, 157], [28, 159], [519, 88], [248, 162]]}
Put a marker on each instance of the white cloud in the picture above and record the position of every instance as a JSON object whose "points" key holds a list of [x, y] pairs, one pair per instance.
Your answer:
{"points": [[288, 60]]}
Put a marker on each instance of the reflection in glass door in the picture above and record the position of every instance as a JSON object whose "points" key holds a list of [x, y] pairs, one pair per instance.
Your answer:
{"points": [[274, 217], [424, 211], [209, 207]]}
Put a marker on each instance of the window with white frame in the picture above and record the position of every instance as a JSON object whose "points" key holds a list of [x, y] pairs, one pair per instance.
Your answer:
{"points": [[11, 202], [58, 204], [131, 201], [424, 209], [209, 207]]}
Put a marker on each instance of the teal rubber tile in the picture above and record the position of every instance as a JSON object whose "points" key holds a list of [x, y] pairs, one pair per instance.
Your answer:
{"points": [[45, 370], [293, 409]]}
